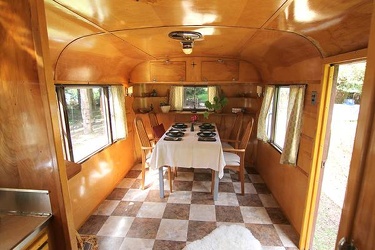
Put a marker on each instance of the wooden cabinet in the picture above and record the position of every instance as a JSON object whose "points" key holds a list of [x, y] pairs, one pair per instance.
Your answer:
{"points": [[220, 70], [167, 71], [40, 242]]}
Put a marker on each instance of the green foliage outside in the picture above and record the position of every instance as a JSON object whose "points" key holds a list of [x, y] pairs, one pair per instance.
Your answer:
{"points": [[350, 81]]}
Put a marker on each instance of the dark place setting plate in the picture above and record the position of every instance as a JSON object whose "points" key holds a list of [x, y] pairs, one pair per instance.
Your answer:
{"points": [[172, 138], [174, 133], [206, 126], [205, 134], [206, 139], [177, 129], [179, 125]]}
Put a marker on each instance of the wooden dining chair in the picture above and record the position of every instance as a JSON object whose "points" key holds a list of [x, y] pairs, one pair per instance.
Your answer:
{"points": [[235, 157], [146, 150], [153, 119], [233, 140]]}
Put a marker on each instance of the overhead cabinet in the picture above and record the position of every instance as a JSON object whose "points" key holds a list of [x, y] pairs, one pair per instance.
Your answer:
{"points": [[220, 70], [167, 71]]}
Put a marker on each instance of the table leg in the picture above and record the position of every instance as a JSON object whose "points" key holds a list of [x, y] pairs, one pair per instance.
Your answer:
{"points": [[161, 182], [216, 187]]}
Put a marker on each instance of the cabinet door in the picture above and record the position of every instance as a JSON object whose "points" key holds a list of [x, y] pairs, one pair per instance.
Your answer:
{"points": [[220, 70], [168, 71]]}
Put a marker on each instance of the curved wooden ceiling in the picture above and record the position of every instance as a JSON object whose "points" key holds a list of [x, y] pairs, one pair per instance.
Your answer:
{"points": [[127, 32]]}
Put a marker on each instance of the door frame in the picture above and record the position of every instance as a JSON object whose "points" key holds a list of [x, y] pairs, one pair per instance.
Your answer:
{"points": [[324, 114]]}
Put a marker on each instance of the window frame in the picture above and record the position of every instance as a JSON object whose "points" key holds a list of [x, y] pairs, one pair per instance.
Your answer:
{"points": [[271, 124], [64, 119]]}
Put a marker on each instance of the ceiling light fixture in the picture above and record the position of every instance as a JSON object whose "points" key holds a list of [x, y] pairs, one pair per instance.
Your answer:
{"points": [[186, 38]]}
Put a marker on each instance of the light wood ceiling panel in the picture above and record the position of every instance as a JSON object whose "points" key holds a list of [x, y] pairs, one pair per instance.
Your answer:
{"points": [[336, 27], [63, 27], [130, 14], [217, 41], [260, 31], [100, 58], [271, 49]]}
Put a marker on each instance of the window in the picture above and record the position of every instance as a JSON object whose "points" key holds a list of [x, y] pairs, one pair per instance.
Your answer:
{"points": [[277, 117], [91, 118], [195, 97]]}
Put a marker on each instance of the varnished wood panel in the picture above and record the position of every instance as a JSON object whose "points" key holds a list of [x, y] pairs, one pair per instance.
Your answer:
{"points": [[357, 219], [287, 184], [111, 62], [113, 16], [64, 22], [168, 71], [244, 71], [99, 176], [220, 70], [29, 153], [348, 29]]}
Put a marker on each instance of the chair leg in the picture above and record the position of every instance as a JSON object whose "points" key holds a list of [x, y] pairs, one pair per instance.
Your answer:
{"points": [[242, 179], [212, 181], [170, 178], [143, 176]]}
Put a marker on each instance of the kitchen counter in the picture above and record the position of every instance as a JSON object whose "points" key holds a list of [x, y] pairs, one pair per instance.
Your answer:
{"points": [[16, 231], [24, 213]]}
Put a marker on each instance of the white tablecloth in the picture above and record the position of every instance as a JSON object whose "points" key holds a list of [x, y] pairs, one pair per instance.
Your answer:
{"points": [[189, 153]]}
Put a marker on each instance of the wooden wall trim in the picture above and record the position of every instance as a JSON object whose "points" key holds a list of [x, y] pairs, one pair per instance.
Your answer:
{"points": [[39, 30], [346, 57]]}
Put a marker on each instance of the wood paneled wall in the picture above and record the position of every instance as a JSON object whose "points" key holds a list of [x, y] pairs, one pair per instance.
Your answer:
{"points": [[30, 148], [289, 184], [99, 176]]}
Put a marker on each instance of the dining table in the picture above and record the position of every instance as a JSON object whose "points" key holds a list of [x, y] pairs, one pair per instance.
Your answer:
{"points": [[189, 145]]}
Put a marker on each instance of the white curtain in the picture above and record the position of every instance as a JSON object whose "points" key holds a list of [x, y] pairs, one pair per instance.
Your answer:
{"points": [[118, 115], [176, 96], [262, 120], [294, 121], [212, 92]]}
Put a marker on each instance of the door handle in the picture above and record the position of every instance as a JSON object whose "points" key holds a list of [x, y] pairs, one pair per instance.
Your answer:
{"points": [[345, 245]]}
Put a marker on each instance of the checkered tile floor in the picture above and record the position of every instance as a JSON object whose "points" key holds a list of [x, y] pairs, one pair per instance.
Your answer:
{"points": [[131, 218]]}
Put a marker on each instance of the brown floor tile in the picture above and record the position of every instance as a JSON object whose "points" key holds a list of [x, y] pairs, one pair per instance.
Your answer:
{"points": [[198, 229], [176, 211], [276, 215], [93, 224], [226, 187], [265, 233], [133, 173], [117, 194], [182, 185], [145, 228], [250, 200], [154, 196], [235, 178], [109, 242], [137, 184], [261, 188], [202, 198], [202, 177], [127, 208], [228, 214], [168, 244]]}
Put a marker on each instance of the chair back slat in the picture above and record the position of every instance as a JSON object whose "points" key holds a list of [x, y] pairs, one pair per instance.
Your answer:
{"points": [[246, 134], [153, 119], [141, 132]]}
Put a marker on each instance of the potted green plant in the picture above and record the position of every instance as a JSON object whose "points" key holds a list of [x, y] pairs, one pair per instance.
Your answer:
{"points": [[165, 107], [217, 105]]}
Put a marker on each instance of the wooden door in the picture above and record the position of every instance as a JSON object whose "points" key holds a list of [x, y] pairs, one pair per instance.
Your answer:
{"points": [[358, 217]]}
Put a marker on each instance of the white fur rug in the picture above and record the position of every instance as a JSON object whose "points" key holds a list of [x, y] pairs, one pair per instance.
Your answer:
{"points": [[233, 237]]}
